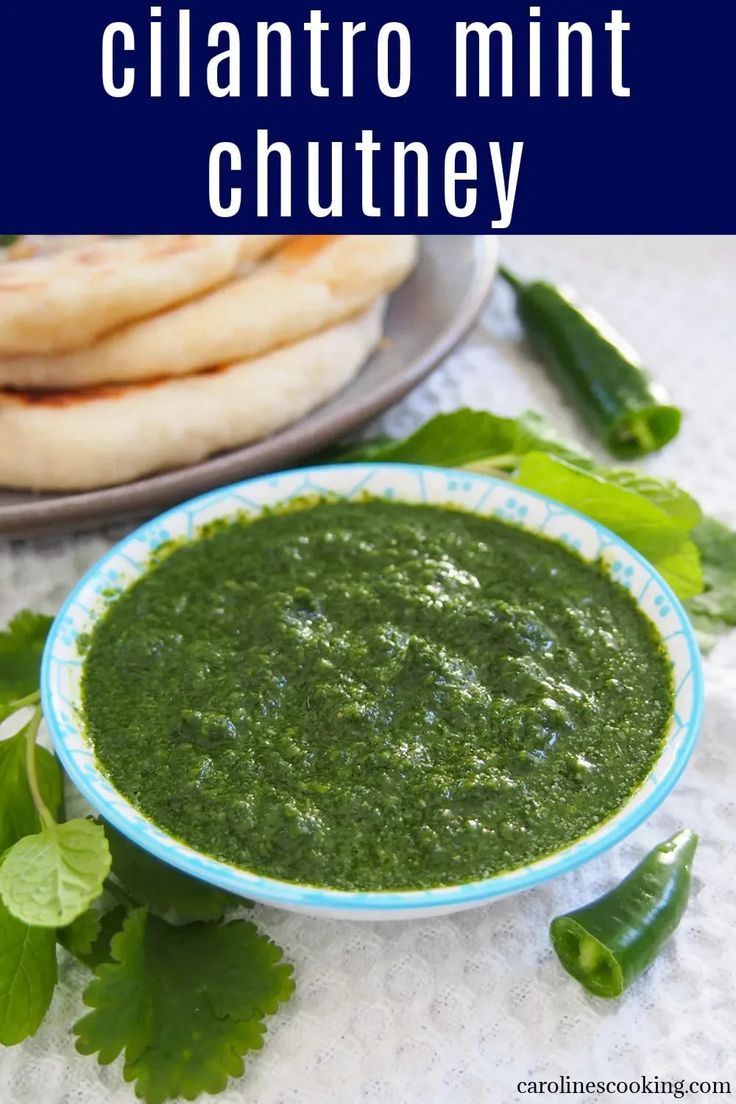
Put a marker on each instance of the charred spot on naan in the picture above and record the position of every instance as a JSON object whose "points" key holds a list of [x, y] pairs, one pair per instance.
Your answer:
{"points": [[303, 248], [53, 397]]}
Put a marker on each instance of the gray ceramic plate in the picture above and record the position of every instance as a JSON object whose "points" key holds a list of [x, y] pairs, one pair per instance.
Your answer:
{"points": [[426, 318]]}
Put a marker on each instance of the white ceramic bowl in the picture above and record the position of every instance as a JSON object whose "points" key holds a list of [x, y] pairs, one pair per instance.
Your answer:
{"points": [[62, 667]]}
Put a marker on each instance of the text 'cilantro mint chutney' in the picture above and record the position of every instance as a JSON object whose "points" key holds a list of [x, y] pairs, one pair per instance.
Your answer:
{"points": [[375, 695]]}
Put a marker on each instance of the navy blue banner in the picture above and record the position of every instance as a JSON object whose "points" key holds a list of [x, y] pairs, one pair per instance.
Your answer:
{"points": [[570, 116]]}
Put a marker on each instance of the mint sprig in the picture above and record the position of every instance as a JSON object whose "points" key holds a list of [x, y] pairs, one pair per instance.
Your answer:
{"points": [[27, 977], [51, 878], [18, 813], [655, 516]]}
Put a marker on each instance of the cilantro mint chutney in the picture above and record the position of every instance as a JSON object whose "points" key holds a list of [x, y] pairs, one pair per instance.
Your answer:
{"points": [[375, 695]]}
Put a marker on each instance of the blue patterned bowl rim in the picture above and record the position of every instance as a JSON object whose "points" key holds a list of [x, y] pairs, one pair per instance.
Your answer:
{"points": [[486, 495]]}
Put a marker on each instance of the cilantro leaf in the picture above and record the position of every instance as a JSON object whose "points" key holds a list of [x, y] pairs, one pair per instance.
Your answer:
{"points": [[27, 977], [80, 936], [50, 878], [101, 951], [18, 816], [21, 646], [639, 519], [183, 1003], [167, 892]]}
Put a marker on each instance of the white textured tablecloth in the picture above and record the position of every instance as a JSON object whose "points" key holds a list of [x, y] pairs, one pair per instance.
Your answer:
{"points": [[459, 1009]]}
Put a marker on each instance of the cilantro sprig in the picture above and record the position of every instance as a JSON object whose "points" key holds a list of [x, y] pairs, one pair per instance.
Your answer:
{"points": [[184, 1004], [178, 988]]}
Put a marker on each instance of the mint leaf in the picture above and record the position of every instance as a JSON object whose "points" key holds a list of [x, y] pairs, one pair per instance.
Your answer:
{"points": [[18, 816], [676, 503], [640, 520], [467, 438], [27, 977], [714, 610], [50, 878], [696, 555], [167, 892], [682, 569], [184, 1004], [21, 647]]}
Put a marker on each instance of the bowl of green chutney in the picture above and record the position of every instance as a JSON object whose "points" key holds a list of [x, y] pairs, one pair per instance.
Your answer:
{"points": [[373, 691]]}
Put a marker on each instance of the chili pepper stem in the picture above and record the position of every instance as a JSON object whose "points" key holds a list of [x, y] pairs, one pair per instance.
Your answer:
{"points": [[512, 280], [635, 432]]}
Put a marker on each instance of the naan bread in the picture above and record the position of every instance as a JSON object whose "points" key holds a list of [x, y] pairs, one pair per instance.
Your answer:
{"points": [[62, 293], [78, 440], [309, 284]]}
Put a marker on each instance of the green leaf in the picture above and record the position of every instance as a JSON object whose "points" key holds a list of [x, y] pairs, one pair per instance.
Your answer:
{"points": [[109, 924], [356, 450], [8, 239], [80, 936], [18, 816], [51, 878], [682, 569], [27, 977], [697, 557], [641, 521], [676, 503], [714, 610], [21, 646], [167, 892], [184, 1004], [469, 438], [534, 433]]}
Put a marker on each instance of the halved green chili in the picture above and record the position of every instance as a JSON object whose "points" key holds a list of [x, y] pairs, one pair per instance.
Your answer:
{"points": [[607, 944], [599, 373]]}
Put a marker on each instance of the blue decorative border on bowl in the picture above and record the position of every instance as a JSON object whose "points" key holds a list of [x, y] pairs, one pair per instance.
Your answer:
{"points": [[481, 494]]}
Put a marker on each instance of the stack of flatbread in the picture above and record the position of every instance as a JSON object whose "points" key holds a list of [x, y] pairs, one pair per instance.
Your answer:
{"points": [[120, 357]]}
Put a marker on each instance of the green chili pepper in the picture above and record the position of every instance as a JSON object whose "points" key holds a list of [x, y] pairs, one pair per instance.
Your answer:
{"points": [[599, 373], [607, 944]]}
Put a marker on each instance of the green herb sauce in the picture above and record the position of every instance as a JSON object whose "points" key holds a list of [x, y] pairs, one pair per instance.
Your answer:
{"points": [[375, 695]]}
